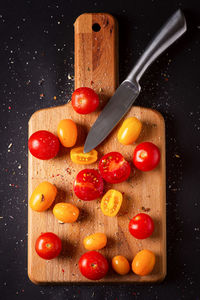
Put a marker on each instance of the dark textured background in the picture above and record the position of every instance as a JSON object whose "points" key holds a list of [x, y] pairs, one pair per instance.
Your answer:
{"points": [[36, 64]]}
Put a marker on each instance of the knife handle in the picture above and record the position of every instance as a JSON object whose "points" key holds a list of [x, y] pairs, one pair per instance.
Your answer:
{"points": [[167, 35]]}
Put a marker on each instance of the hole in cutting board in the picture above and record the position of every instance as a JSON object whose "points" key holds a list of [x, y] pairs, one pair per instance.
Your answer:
{"points": [[96, 27]]}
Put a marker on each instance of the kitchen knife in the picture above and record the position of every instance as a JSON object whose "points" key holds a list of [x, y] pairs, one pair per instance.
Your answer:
{"points": [[129, 89]]}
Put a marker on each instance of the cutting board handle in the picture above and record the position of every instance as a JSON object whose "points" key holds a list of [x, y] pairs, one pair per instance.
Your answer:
{"points": [[96, 54]]}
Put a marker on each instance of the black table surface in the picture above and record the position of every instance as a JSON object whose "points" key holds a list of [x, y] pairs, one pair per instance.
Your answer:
{"points": [[36, 68]]}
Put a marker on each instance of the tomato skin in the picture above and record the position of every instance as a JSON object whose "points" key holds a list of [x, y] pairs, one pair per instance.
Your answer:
{"points": [[88, 185], [43, 196], [141, 226], [95, 241], [48, 245], [66, 212], [120, 264], [111, 203], [93, 265], [78, 157], [114, 168], [67, 132], [85, 100], [146, 156], [129, 131], [144, 262], [43, 144]]}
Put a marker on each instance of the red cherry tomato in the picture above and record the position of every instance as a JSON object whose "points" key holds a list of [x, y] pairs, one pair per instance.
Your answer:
{"points": [[84, 100], [146, 156], [141, 226], [93, 265], [48, 245], [88, 185], [114, 168], [43, 144]]}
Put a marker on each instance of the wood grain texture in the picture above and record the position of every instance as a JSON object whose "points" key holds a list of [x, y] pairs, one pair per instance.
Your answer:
{"points": [[96, 67]]}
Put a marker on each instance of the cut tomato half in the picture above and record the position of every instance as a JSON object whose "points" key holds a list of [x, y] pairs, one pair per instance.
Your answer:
{"points": [[88, 185], [114, 168], [111, 203], [78, 157]]}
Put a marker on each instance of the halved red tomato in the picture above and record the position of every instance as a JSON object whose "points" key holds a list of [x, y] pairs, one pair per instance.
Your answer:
{"points": [[88, 185], [114, 168]]}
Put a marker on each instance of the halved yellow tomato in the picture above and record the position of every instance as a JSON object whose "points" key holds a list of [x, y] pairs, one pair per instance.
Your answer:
{"points": [[67, 132], [111, 203], [43, 196], [78, 157], [129, 131]]}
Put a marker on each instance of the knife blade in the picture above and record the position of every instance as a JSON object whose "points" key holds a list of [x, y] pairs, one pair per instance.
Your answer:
{"points": [[128, 91], [116, 108]]}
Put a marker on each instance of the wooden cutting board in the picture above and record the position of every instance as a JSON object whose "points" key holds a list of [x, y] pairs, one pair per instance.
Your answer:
{"points": [[96, 66]]}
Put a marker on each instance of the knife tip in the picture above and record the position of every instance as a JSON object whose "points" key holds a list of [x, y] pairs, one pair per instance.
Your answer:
{"points": [[85, 149]]}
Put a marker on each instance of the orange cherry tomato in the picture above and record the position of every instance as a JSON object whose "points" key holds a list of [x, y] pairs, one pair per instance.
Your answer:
{"points": [[143, 263], [66, 212], [120, 264], [111, 203], [95, 241], [129, 131], [78, 157], [67, 133], [43, 196]]}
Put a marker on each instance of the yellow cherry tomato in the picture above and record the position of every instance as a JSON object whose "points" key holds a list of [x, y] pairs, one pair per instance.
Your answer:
{"points": [[143, 263], [111, 203], [78, 157], [66, 212], [67, 133], [43, 196], [129, 131], [95, 241], [120, 264]]}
